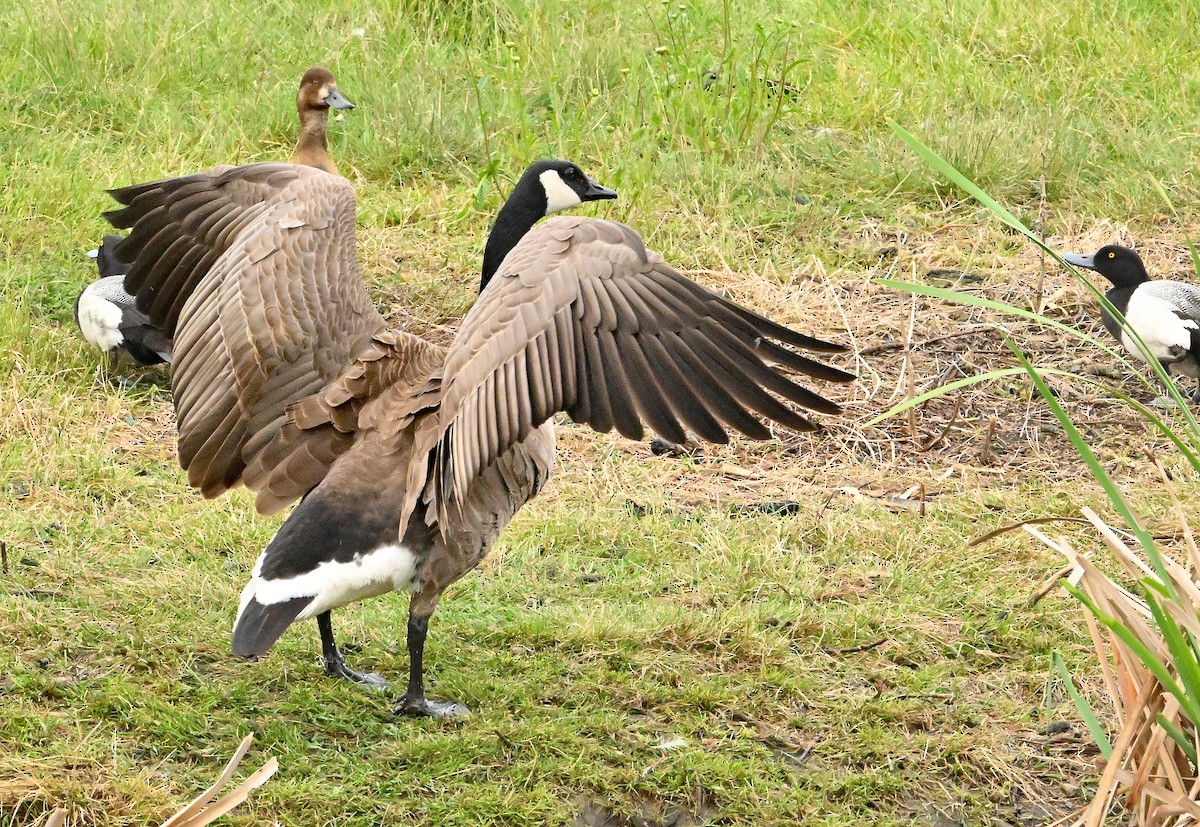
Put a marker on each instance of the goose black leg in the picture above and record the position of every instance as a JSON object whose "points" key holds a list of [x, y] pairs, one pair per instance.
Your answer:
{"points": [[114, 377], [335, 667], [414, 702], [1165, 400]]}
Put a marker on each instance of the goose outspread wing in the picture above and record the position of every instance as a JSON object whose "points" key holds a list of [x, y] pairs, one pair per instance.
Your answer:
{"points": [[581, 318], [279, 347]]}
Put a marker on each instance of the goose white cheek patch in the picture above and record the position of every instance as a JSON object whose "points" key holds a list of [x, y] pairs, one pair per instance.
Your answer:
{"points": [[558, 195]]}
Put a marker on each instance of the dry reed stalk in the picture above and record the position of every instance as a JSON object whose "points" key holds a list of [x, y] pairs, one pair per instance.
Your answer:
{"points": [[1151, 774], [1040, 302], [200, 811]]}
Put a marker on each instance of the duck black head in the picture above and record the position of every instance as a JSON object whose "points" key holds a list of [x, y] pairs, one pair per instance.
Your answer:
{"points": [[1120, 265], [546, 187]]}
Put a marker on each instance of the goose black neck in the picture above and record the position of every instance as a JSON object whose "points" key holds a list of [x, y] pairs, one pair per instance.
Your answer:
{"points": [[520, 212]]}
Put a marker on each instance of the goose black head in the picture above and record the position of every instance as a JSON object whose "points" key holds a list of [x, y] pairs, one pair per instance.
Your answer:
{"points": [[318, 90], [560, 185], [1120, 265], [105, 256], [545, 188]]}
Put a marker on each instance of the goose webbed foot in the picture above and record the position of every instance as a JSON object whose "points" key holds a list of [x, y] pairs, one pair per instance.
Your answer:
{"points": [[424, 708], [413, 701], [335, 666]]}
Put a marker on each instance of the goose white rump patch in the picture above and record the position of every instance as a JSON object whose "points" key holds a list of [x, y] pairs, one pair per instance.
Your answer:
{"points": [[99, 320], [1166, 335], [559, 196], [333, 584]]}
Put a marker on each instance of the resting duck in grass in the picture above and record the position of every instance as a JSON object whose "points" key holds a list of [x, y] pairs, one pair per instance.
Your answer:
{"points": [[409, 459], [107, 316], [1164, 314]]}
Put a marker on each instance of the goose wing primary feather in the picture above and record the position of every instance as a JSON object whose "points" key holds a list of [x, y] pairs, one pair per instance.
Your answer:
{"points": [[278, 346], [582, 318]]}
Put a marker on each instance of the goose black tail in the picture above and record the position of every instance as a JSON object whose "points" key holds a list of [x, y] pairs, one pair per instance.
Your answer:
{"points": [[259, 625]]}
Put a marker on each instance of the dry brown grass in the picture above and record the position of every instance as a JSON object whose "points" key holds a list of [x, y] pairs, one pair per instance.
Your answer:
{"points": [[202, 810]]}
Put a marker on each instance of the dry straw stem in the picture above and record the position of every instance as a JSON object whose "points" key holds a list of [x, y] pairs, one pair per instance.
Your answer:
{"points": [[1148, 771], [200, 812]]}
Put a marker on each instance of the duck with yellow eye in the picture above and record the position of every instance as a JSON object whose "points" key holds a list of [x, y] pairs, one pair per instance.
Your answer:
{"points": [[1164, 314]]}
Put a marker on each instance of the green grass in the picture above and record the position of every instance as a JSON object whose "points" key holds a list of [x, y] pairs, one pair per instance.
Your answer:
{"points": [[743, 138]]}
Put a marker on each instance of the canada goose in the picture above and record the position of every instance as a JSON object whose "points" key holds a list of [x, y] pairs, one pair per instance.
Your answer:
{"points": [[411, 458], [108, 317], [318, 93], [1164, 314]]}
